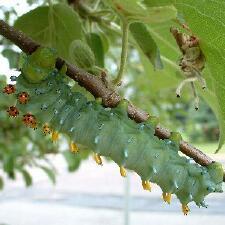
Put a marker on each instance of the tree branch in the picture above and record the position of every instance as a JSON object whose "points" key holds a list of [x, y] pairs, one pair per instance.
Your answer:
{"points": [[98, 88]]}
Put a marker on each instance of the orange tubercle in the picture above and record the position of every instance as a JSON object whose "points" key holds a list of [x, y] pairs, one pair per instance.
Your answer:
{"points": [[9, 89], [146, 185], [55, 136], [97, 159], [30, 120], [46, 129], [13, 111], [185, 209], [23, 97], [167, 197], [73, 147], [123, 172]]}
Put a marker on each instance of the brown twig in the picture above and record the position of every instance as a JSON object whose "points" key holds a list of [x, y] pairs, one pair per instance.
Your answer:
{"points": [[98, 88]]}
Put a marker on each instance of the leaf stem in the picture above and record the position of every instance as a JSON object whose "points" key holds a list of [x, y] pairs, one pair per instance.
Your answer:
{"points": [[123, 57]]}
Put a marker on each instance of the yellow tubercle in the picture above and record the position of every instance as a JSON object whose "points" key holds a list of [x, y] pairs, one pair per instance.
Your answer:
{"points": [[55, 136], [167, 197], [98, 159], [146, 185], [123, 172], [46, 129], [185, 209], [73, 147]]}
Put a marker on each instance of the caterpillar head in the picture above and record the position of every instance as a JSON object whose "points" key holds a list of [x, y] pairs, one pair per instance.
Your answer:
{"points": [[38, 65]]}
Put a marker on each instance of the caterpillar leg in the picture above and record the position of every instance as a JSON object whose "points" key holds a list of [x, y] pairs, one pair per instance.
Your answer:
{"points": [[196, 98], [55, 136], [184, 82], [123, 172], [167, 197], [201, 80], [185, 209], [146, 185], [73, 147], [97, 159]]}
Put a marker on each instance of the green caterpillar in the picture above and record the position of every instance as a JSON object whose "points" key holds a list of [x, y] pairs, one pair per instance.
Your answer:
{"points": [[48, 102]]}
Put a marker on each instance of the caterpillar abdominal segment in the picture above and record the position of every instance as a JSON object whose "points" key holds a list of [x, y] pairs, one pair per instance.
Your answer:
{"points": [[111, 133]]}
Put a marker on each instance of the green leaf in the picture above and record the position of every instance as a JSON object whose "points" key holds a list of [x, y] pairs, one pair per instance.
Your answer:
{"points": [[105, 41], [8, 166], [133, 10], [72, 160], [205, 19], [1, 183], [12, 56], [55, 28], [81, 54], [27, 177], [96, 45], [212, 101], [50, 173], [145, 41]]}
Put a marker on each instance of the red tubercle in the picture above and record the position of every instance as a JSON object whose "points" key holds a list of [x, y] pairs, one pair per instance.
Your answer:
{"points": [[30, 120], [23, 97], [9, 89], [13, 111]]}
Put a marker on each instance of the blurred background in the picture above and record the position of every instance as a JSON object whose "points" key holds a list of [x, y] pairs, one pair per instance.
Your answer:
{"points": [[43, 183]]}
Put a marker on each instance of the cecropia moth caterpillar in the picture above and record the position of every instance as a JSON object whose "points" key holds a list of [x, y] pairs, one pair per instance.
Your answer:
{"points": [[47, 102]]}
